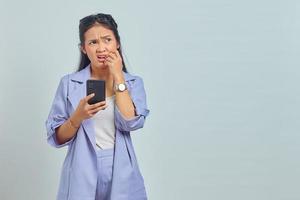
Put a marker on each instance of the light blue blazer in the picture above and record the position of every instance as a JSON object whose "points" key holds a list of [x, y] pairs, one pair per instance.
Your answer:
{"points": [[79, 171]]}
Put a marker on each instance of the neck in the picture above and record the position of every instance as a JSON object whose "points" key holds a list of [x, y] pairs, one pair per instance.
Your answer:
{"points": [[100, 73]]}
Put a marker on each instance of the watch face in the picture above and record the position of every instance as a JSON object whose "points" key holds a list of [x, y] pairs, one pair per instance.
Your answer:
{"points": [[122, 87]]}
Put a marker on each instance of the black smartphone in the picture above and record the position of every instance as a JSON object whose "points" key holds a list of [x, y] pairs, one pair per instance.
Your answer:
{"points": [[97, 87]]}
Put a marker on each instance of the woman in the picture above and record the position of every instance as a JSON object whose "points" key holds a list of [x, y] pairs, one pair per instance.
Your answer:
{"points": [[100, 163]]}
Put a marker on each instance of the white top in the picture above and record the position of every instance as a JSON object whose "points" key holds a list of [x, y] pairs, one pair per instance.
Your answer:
{"points": [[104, 125]]}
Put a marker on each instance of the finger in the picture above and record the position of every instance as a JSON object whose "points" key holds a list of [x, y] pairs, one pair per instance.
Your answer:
{"points": [[98, 109], [89, 97], [116, 53], [96, 105], [109, 60], [94, 111], [113, 54]]}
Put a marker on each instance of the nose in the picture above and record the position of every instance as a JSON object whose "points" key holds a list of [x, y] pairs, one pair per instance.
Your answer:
{"points": [[101, 47]]}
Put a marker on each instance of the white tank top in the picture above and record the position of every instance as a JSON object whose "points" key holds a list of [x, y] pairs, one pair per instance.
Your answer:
{"points": [[104, 125]]}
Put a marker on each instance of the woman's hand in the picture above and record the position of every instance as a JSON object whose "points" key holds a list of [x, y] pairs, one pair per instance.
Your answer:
{"points": [[85, 110], [114, 62]]}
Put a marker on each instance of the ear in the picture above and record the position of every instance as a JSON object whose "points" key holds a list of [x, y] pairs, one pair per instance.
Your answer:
{"points": [[118, 46], [82, 49]]}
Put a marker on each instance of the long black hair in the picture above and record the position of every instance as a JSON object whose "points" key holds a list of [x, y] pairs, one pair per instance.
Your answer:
{"points": [[88, 22]]}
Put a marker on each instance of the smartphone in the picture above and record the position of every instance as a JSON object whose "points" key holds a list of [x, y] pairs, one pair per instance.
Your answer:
{"points": [[97, 87]]}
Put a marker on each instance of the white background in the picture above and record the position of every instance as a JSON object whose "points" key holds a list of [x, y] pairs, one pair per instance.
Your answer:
{"points": [[222, 81]]}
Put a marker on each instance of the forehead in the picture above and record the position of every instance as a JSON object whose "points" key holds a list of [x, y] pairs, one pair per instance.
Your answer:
{"points": [[98, 31]]}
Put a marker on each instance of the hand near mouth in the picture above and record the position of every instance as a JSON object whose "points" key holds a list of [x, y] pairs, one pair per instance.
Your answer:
{"points": [[114, 62]]}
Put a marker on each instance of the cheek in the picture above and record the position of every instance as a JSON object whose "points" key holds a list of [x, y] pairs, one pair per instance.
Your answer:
{"points": [[89, 55], [89, 52], [112, 46]]}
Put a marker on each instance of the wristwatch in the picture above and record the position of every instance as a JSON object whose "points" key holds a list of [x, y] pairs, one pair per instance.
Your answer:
{"points": [[120, 87]]}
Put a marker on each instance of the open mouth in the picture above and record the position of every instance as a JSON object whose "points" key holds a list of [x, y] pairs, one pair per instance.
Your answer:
{"points": [[101, 58]]}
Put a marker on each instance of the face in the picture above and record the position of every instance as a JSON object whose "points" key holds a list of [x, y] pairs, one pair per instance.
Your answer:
{"points": [[99, 41]]}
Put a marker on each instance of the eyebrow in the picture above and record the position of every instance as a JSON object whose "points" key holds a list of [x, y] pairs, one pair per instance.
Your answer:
{"points": [[106, 36]]}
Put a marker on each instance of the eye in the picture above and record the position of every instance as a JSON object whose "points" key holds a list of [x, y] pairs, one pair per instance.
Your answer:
{"points": [[108, 39], [93, 42]]}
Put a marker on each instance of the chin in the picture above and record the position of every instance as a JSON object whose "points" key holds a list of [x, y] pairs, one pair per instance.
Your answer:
{"points": [[100, 65]]}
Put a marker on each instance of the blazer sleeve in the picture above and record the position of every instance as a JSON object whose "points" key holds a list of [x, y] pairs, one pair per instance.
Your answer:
{"points": [[138, 97], [58, 113]]}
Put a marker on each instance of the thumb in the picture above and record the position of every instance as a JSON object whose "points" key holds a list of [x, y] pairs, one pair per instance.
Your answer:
{"points": [[89, 96]]}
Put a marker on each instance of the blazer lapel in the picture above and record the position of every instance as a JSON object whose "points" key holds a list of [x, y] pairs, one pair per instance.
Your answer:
{"points": [[77, 88]]}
